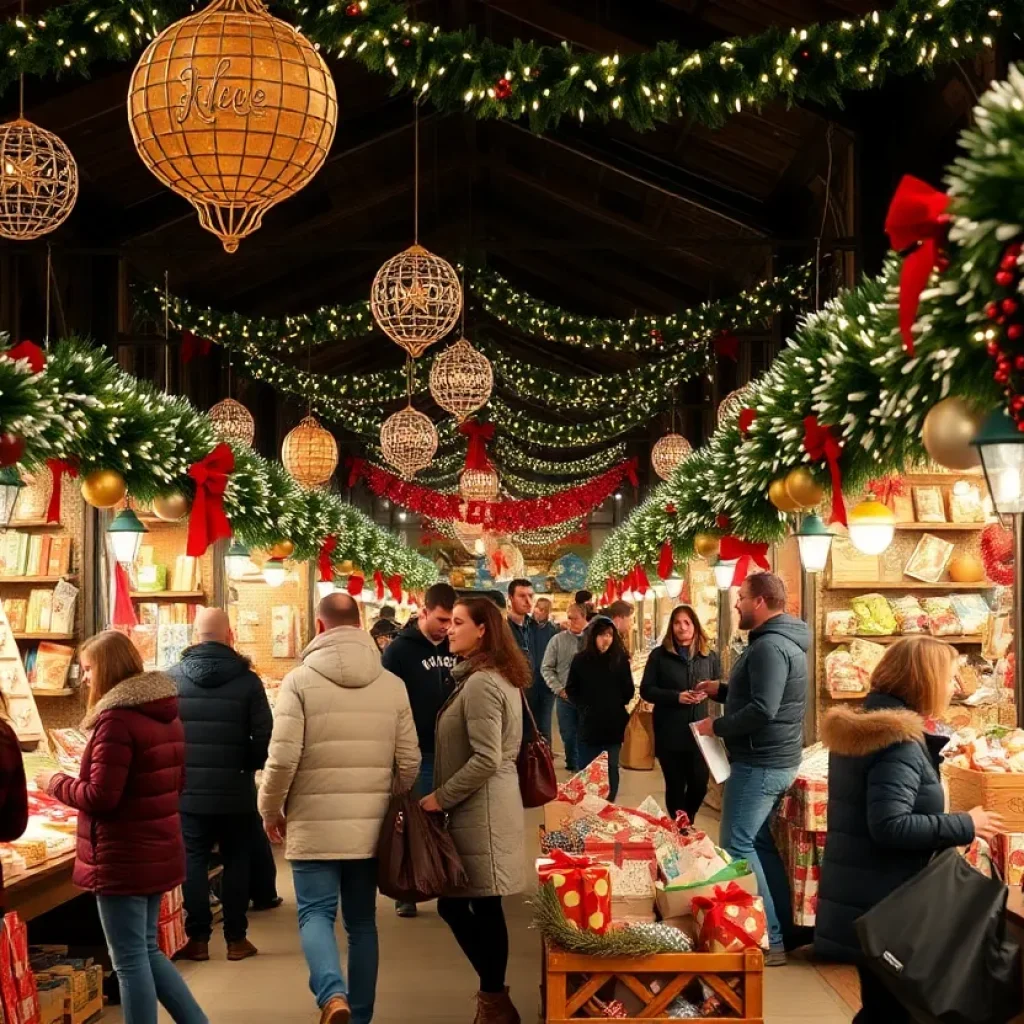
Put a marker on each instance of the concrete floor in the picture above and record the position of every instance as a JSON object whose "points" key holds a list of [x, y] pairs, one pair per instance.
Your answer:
{"points": [[423, 977]]}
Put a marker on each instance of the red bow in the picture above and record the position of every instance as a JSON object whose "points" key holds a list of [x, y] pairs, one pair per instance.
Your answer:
{"points": [[500, 563], [744, 551], [355, 584], [124, 610], [208, 523], [727, 345], [731, 895], [192, 346], [58, 467], [378, 584], [609, 591], [666, 561], [917, 214], [630, 468], [479, 435], [641, 584], [562, 859], [395, 587], [820, 443], [746, 419], [30, 351], [324, 559]]}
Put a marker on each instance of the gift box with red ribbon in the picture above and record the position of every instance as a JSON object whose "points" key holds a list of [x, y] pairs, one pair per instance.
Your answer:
{"points": [[633, 864], [730, 920], [584, 889]]}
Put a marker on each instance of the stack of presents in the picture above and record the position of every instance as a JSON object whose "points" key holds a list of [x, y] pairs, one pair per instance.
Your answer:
{"points": [[617, 867]]}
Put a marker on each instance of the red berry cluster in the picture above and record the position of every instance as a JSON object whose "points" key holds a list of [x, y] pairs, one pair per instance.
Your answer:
{"points": [[353, 10], [502, 89], [1004, 314]]}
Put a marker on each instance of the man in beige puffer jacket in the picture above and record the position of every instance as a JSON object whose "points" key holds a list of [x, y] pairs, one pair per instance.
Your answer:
{"points": [[342, 729]]}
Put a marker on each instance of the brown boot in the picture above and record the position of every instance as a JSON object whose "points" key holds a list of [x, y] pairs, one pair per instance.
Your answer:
{"points": [[496, 1008], [194, 950], [336, 1011], [241, 950]]}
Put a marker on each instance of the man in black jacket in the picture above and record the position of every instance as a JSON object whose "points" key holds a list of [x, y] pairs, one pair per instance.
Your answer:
{"points": [[763, 731], [419, 656], [227, 720]]}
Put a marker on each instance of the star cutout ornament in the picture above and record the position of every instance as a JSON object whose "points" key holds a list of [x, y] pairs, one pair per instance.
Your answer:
{"points": [[20, 174], [414, 297]]}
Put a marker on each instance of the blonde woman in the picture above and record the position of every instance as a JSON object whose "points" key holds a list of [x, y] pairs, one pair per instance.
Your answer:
{"points": [[130, 848], [885, 802]]}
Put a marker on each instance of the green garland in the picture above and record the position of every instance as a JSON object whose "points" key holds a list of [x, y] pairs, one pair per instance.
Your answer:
{"points": [[83, 407], [460, 73], [511, 455]]}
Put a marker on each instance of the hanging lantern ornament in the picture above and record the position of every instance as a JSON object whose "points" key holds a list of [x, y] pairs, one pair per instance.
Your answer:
{"points": [[478, 484], [234, 110], [232, 422], [668, 452], [730, 406], [461, 379], [408, 440], [310, 453]]}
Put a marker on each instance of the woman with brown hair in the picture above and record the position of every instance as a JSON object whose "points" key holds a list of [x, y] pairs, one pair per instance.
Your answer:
{"points": [[885, 803], [130, 847], [672, 672], [477, 739], [13, 792]]}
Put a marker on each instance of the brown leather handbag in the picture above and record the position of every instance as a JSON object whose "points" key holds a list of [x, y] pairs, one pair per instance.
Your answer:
{"points": [[538, 783]]}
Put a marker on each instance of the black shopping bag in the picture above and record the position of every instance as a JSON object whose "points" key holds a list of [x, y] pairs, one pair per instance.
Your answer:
{"points": [[939, 944]]}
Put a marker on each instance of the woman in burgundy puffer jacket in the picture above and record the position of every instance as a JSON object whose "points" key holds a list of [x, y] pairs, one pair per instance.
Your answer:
{"points": [[130, 848]]}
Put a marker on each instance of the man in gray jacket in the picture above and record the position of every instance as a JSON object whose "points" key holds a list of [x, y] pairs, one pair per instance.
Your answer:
{"points": [[555, 670]]}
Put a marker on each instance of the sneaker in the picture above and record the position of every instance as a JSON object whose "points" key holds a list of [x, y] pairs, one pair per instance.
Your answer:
{"points": [[775, 958], [406, 909], [241, 950], [336, 1011], [194, 950], [272, 905]]}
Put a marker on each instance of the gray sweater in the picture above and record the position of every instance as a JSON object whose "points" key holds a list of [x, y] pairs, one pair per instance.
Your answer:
{"points": [[558, 657]]}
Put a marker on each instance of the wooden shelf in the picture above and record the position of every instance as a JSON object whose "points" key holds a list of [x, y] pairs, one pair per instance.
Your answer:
{"points": [[955, 639], [66, 692], [846, 696], [168, 595], [35, 524], [910, 585], [37, 579], [44, 636], [157, 521], [958, 527]]}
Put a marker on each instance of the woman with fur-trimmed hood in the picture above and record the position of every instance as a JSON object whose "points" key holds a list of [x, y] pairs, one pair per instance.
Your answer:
{"points": [[885, 802]]}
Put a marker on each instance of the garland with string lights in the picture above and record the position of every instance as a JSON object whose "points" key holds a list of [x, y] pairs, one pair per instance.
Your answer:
{"points": [[511, 455], [460, 73]]}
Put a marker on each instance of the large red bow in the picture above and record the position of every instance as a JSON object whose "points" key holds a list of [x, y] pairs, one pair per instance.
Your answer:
{"points": [[641, 584], [28, 350], [917, 217], [820, 443], [609, 592], [744, 551], [395, 587], [666, 561], [208, 523], [355, 584], [324, 559], [746, 420], [562, 859], [192, 345], [57, 468], [727, 345], [378, 584], [500, 564], [479, 434]]}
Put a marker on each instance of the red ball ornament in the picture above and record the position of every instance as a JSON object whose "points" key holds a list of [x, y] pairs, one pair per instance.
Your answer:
{"points": [[993, 348], [992, 310], [503, 89], [1004, 278], [353, 10], [1008, 306], [1000, 377], [1017, 403], [11, 449], [670, 509], [1008, 262], [1015, 332], [657, 335], [1020, 426], [1018, 364]]}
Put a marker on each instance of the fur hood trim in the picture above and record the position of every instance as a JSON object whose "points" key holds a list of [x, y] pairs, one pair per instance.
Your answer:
{"points": [[132, 693], [860, 733]]}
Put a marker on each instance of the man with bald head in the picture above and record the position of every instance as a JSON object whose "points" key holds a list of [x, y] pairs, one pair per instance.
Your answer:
{"points": [[227, 720]]}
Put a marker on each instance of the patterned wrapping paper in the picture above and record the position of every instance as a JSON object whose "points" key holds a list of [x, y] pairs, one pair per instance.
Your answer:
{"points": [[591, 781], [979, 856], [20, 997], [802, 853], [730, 920], [806, 804], [584, 889], [170, 933], [1008, 856]]}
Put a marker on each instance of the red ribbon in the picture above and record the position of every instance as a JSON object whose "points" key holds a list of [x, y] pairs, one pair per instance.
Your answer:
{"points": [[28, 350], [324, 559], [727, 345], [568, 860], [208, 523], [479, 435], [745, 552], [192, 346], [820, 443], [57, 468], [641, 583], [917, 217], [378, 584], [746, 420], [355, 584], [500, 563], [124, 610], [666, 561], [395, 587]]}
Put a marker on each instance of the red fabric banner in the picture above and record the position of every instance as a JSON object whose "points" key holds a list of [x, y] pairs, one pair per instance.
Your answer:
{"points": [[207, 522], [378, 584], [57, 468], [395, 587], [820, 443], [355, 584], [124, 610], [192, 345], [666, 561]]}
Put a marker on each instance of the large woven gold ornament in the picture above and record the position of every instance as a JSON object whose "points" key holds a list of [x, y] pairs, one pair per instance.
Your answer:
{"points": [[234, 110], [416, 299], [310, 453], [668, 452], [38, 181], [461, 379], [478, 484], [729, 408], [232, 421], [408, 441]]}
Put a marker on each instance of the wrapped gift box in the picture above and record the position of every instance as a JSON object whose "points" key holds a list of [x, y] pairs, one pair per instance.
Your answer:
{"points": [[171, 902], [629, 910], [979, 856], [730, 920], [676, 901], [20, 997], [802, 853], [806, 804], [170, 933], [584, 889], [1008, 856]]}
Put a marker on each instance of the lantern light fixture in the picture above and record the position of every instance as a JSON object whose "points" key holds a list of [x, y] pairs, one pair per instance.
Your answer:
{"points": [[125, 532], [814, 540]]}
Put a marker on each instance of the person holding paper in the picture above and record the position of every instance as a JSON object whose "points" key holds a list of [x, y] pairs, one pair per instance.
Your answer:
{"points": [[762, 728]]}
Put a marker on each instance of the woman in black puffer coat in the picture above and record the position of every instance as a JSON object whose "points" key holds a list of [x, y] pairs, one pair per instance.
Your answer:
{"points": [[683, 660], [885, 803]]}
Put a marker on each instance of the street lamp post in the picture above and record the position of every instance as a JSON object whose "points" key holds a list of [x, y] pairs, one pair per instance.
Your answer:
{"points": [[814, 540]]}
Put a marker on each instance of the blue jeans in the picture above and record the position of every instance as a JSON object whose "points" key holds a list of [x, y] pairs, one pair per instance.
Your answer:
{"points": [[542, 704], [587, 753], [318, 884], [568, 727], [749, 802], [143, 972]]}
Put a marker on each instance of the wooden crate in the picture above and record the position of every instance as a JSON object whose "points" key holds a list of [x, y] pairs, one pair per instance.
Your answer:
{"points": [[572, 981], [995, 791]]}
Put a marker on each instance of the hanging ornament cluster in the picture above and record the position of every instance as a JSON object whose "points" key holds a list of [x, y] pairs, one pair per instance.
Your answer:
{"points": [[947, 432], [668, 452], [234, 110], [310, 453], [38, 181], [408, 441], [461, 379], [796, 491], [478, 484], [232, 422]]}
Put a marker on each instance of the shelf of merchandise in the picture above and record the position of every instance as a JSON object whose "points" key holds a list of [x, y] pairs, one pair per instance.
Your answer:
{"points": [[847, 696], [957, 527], [911, 585], [168, 595], [10, 580], [35, 524], [958, 639], [44, 636]]}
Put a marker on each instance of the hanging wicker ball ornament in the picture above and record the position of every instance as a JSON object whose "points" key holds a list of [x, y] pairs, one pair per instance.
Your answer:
{"points": [[408, 440], [730, 406], [38, 181], [233, 422], [310, 453], [478, 484], [668, 452], [234, 110], [416, 299], [461, 379]]}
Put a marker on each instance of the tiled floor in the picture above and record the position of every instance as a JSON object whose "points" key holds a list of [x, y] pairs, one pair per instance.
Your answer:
{"points": [[423, 977]]}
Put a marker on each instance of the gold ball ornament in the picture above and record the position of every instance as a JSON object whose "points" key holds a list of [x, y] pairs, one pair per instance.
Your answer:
{"points": [[282, 549], [668, 452], [947, 432], [104, 488], [232, 422], [171, 507], [802, 488], [966, 569], [706, 545], [408, 441], [779, 496], [416, 299], [347, 568], [310, 453], [234, 110], [38, 181], [478, 484], [461, 379]]}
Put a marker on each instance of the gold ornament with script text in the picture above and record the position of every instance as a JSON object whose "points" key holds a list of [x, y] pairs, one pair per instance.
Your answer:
{"points": [[461, 379], [234, 110]]}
